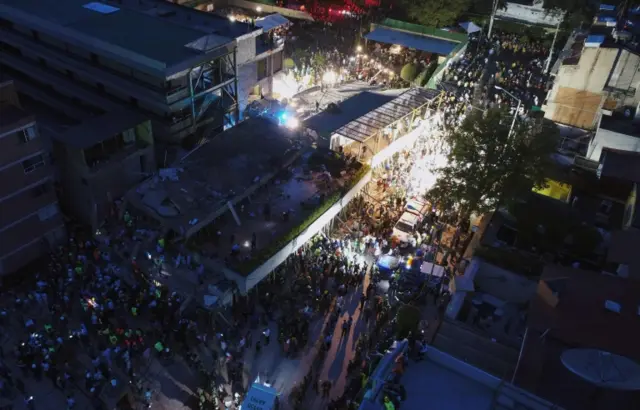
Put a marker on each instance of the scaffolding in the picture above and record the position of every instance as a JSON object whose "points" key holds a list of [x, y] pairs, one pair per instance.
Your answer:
{"points": [[377, 129], [213, 88]]}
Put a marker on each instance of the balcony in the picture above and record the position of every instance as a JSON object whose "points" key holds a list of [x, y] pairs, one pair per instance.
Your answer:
{"points": [[18, 176], [19, 145], [26, 203], [27, 230]]}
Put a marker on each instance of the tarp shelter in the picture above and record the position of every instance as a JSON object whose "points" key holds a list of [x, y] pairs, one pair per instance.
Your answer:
{"points": [[470, 27], [419, 42], [272, 21], [260, 397]]}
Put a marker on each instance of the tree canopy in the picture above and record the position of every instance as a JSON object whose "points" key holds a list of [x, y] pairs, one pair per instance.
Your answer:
{"points": [[489, 166], [409, 72], [435, 13]]}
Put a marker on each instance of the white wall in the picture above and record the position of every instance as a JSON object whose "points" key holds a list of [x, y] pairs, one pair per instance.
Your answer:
{"points": [[531, 14], [276, 260], [610, 139]]}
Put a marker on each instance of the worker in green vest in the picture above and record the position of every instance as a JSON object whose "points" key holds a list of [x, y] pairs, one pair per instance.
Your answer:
{"points": [[388, 404]]}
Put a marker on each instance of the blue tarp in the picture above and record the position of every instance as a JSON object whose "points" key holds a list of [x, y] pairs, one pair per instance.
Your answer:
{"points": [[423, 43]]}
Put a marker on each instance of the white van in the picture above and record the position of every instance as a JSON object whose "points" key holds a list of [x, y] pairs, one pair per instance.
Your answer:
{"points": [[406, 226], [417, 206]]}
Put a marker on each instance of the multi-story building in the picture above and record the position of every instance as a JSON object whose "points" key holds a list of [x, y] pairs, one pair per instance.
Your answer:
{"points": [[175, 65], [30, 220], [99, 160]]}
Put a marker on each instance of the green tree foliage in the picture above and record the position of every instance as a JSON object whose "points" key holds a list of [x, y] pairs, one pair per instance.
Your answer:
{"points": [[409, 72], [435, 13], [318, 61], [488, 165], [424, 77], [289, 63]]}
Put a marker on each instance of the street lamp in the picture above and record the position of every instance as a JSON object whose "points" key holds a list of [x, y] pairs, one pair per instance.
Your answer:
{"points": [[359, 49], [259, 9], [515, 115]]}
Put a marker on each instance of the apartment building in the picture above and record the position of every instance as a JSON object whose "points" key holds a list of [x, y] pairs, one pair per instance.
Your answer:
{"points": [[101, 159], [174, 65], [30, 220]]}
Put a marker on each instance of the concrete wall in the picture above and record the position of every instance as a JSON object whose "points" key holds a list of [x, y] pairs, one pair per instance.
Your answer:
{"points": [[267, 9], [276, 260], [577, 91], [504, 284], [530, 14], [610, 139]]}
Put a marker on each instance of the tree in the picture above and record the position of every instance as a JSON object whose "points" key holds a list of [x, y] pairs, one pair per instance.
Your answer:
{"points": [[489, 166], [318, 61], [289, 64], [409, 72], [435, 13]]}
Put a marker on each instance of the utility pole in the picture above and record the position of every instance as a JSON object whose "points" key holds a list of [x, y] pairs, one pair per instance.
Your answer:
{"points": [[494, 8], [553, 44]]}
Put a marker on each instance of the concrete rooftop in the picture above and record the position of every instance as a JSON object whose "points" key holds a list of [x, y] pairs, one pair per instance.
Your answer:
{"points": [[228, 168]]}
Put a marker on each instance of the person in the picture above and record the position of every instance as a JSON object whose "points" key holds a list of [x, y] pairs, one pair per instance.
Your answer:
{"points": [[71, 402], [326, 388], [267, 336], [345, 328], [388, 404], [363, 298]]}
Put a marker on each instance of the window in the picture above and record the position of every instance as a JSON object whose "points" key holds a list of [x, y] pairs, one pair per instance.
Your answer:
{"points": [[33, 163], [40, 190], [27, 134], [48, 212], [262, 69]]}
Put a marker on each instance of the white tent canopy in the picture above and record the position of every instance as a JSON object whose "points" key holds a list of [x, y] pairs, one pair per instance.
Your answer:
{"points": [[272, 21], [470, 27]]}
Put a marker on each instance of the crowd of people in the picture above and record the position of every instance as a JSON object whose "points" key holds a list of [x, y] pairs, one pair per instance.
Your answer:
{"points": [[505, 62]]}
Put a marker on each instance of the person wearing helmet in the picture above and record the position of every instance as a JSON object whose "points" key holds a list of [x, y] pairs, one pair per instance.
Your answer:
{"points": [[388, 404]]}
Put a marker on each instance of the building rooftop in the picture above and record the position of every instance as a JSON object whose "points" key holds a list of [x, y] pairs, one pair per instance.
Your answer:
{"points": [[620, 124], [622, 165], [150, 35], [570, 304], [221, 170], [328, 121], [97, 129]]}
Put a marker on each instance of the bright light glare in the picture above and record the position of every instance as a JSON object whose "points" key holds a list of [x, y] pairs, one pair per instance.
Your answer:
{"points": [[292, 123], [258, 9], [329, 77], [232, 18], [359, 48]]}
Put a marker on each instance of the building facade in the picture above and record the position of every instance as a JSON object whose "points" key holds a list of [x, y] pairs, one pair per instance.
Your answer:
{"points": [[179, 71], [100, 160], [30, 219]]}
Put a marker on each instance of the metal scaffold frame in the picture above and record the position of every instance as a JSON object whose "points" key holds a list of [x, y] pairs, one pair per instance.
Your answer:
{"points": [[215, 84]]}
